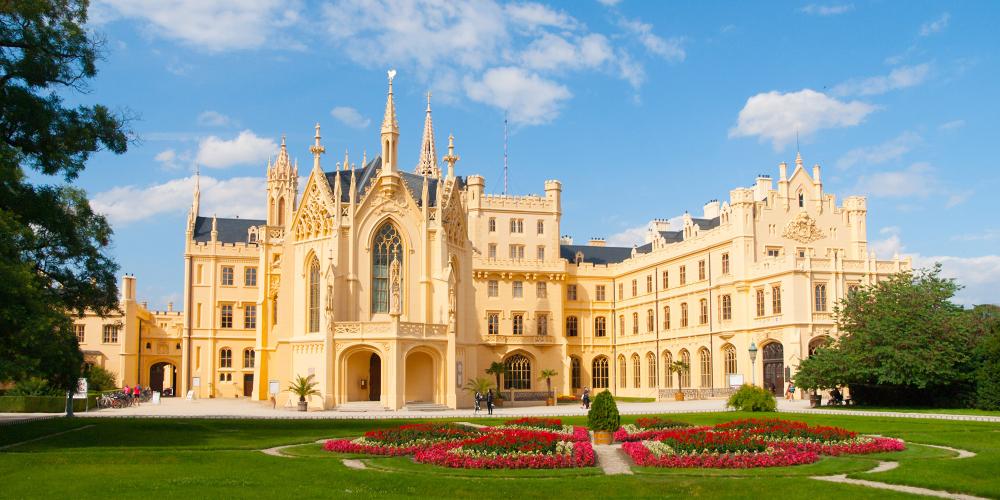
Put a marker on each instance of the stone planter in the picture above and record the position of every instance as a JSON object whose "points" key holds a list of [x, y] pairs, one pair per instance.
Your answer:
{"points": [[550, 401], [679, 396], [603, 437], [303, 405], [815, 401]]}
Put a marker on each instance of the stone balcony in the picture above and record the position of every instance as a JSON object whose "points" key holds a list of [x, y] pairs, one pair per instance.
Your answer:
{"points": [[388, 329], [519, 339]]}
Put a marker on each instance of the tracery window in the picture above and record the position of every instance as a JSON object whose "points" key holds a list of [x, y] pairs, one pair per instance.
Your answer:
{"points": [[821, 297], [727, 307], [622, 366], [572, 326], [599, 373], [703, 313], [651, 368], [518, 374], [600, 326], [684, 314], [666, 317], [729, 355], [314, 295], [225, 358], [248, 358], [686, 376], [706, 367], [388, 247], [635, 323], [636, 371], [574, 370], [650, 320], [668, 378]]}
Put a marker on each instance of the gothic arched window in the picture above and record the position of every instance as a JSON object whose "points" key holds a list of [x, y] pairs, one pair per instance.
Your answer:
{"points": [[599, 372], [518, 374], [314, 295], [388, 249]]}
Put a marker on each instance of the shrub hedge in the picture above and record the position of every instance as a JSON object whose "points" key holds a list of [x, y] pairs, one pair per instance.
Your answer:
{"points": [[42, 404], [752, 398]]}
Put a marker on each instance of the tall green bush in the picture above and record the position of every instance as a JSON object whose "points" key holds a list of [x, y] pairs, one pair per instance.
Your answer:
{"points": [[34, 386], [100, 379], [603, 414], [752, 398]]}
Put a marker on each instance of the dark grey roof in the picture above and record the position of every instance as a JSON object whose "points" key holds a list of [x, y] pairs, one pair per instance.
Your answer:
{"points": [[595, 255], [414, 183], [706, 224], [230, 230], [672, 236]]}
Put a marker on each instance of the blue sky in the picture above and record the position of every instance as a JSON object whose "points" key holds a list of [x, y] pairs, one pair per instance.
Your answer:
{"points": [[659, 106]]}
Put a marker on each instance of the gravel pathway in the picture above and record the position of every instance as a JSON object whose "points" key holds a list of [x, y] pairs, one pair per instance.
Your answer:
{"points": [[611, 458]]}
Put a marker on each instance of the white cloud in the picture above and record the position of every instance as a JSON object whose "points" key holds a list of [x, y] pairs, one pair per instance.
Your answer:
{"points": [[777, 117], [827, 10], [529, 98], [917, 180], [533, 15], [977, 275], [246, 148], [553, 52], [171, 160], [952, 125], [898, 78], [667, 48], [427, 34], [211, 25], [350, 117], [635, 236], [609, 3], [985, 235], [225, 198], [936, 26], [214, 119], [892, 149]]}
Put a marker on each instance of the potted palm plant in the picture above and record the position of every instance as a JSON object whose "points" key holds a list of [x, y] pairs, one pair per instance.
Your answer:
{"points": [[496, 369], [679, 367], [546, 375], [603, 418], [303, 387]]}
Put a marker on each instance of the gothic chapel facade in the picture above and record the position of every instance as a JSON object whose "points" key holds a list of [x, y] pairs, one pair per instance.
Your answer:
{"points": [[394, 285]]}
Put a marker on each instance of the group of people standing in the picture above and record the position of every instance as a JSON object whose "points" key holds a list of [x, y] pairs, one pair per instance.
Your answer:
{"points": [[488, 398], [134, 393]]}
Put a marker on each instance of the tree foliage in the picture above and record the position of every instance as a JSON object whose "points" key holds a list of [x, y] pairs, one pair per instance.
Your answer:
{"points": [[902, 341], [53, 260], [752, 398], [985, 321]]}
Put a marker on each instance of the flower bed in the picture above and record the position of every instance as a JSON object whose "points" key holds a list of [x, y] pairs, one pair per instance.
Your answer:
{"points": [[402, 440], [566, 432], [646, 428], [510, 449], [515, 445], [749, 443]]}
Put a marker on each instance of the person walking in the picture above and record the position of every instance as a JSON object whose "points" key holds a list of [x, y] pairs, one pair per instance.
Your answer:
{"points": [[479, 398], [489, 402], [137, 394], [790, 391], [586, 398]]}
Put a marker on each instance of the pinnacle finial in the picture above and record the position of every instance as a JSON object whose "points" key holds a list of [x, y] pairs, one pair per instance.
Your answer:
{"points": [[427, 165], [451, 158], [798, 159], [389, 123], [317, 149], [428, 101]]}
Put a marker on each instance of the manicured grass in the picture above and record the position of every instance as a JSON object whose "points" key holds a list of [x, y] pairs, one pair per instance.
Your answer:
{"points": [[949, 411], [625, 399], [219, 458]]}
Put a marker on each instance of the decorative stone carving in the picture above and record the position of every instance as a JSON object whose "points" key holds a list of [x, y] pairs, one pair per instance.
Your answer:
{"points": [[802, 229], [395, 290]]}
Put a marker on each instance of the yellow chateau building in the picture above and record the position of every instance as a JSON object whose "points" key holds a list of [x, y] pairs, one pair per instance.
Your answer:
{"points": [[394, 284]]}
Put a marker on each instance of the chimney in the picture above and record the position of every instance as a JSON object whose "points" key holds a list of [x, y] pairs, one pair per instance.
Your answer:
{"points": [[596, 242], [145, 305], [170, 307], [762, 187], [128, 288], [711, 210], [566, 240]]}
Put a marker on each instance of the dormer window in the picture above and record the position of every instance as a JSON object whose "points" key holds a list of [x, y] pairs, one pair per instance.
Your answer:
{"points": [[579, 258]]}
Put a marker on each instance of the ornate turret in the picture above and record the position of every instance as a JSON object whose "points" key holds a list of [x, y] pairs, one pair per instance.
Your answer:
{"points": [[282, 187], [427, 165], [317, 149], [390, 131]]}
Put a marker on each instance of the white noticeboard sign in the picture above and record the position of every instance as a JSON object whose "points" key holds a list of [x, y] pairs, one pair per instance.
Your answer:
{"points": [[196, 381], [273, 387], [735, 380], [156, 397], [81, 389]]}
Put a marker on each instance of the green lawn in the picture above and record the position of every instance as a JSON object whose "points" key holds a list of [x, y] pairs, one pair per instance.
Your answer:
{"points": [[218, 458], [951, 411]]}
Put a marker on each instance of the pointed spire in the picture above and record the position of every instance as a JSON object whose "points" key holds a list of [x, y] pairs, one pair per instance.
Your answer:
{"points": [[282, 166], [389, 123], [798, 159], [451, 158], [364, 159], [316, 149], [427, 165], [215, 229], [196, 196], [346, 162]]}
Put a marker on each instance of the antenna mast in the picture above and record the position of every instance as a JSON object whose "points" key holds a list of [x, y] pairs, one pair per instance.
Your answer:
{"points": [[505, 153]]}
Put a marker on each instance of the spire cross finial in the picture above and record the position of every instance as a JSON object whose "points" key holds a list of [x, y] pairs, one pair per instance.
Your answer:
{"points": [[428, 101], [316, 148]]}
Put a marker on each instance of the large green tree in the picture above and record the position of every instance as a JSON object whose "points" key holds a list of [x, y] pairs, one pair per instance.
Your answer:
{"points": [[53, 247], [902, 341]]}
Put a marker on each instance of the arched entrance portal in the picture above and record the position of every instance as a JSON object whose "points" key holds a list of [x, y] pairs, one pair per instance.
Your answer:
{"points": [[163, 378], [420, 379], [774, 368], [362, 376]]}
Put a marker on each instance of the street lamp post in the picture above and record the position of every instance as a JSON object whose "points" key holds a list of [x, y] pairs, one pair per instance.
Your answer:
{"points": [[753, 365]]}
